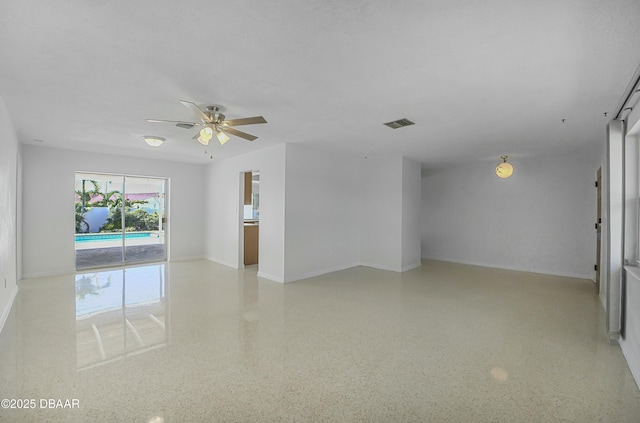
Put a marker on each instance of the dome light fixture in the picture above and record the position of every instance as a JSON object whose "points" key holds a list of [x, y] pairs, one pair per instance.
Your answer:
{"points": [[504, 169], [153, 141]]}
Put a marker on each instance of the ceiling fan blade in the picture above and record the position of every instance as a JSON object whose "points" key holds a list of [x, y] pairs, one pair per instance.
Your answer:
{"points": [[244, 121], [180, 124], [170, 121], [196, 110], [238, 133]]}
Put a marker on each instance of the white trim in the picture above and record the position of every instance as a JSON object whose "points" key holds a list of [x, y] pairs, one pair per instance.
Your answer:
{"points": [[377, 266], [7, 310], [187, 258], [516, 269], [223, 262], [401, 269], [408, 267], [614, 338], [49, 274], [288, 279], [274, 278]]}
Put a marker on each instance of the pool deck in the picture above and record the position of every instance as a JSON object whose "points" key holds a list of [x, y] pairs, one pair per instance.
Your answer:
{"points": [[98, 257]]}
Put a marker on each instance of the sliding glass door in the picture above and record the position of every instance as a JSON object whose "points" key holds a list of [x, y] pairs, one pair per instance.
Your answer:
{"points": [[144, 219], [119, 219], [98, 238]]}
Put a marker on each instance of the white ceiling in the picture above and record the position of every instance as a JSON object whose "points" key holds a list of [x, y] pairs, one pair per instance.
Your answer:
{"points": [[479, 78]]}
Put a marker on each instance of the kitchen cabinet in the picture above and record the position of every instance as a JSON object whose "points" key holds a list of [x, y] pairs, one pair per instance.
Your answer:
{"points": [[251, 243], [247, 188]]}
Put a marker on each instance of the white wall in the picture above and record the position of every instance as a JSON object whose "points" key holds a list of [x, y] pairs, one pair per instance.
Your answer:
{"points": [[9, 150], [381, 215], [539, 220], [390, 214], [630, 344], [322, 211], [411, 202], [49, 184], [223, 187], [614, 231], [630, 199], [630, 289]]}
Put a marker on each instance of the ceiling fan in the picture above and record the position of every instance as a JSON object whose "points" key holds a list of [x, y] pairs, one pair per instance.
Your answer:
{"points": [[213, 122]]}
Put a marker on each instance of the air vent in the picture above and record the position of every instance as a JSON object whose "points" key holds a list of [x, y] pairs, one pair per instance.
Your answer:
{"points": [[399, 123]]}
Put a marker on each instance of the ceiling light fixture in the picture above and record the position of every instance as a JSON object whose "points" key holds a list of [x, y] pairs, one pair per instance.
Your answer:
{"points": [[504, 169], [213, 122], [207, 132], [153, 141], [222, 137], [205, 135]]}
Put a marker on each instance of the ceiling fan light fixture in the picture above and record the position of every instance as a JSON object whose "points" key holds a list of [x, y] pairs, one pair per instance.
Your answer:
{"points": [[205, 135], [210, 119], [222, 137], [153, 141], [504, 169]]}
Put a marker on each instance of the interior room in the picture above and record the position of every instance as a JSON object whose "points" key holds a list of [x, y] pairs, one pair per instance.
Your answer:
{"points": [[358, 211]]}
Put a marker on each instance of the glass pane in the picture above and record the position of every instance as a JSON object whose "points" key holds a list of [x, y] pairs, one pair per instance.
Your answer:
{"points": [[144, 219], [98, 200]]}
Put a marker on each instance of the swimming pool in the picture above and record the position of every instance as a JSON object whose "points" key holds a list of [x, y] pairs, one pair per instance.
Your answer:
{"points": [[111, 237]]}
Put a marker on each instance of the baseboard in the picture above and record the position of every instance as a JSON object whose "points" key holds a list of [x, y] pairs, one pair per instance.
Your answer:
{"points": [[222, 262], [187, 258], [400, 269], [516, 269], [48, 274], [408, 267], [274, 278], [378, 267], [7, 310], [315, 273]]}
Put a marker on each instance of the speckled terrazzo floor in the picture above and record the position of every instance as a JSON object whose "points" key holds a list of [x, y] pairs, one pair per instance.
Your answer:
{"points": [[199, 342]]}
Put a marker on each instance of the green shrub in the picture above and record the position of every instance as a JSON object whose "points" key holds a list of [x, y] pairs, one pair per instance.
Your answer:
{"points": [[135, 220]]}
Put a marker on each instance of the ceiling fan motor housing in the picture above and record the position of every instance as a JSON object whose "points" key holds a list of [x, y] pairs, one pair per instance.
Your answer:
{"points": [[214, 114]]}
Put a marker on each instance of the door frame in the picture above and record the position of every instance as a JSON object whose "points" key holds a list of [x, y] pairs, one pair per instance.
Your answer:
{"points": [[240, 216], [598, 226]]}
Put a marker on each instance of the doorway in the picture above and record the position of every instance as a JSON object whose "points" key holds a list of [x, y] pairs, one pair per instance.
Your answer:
{"points": [[250, 232], [119, 219]]}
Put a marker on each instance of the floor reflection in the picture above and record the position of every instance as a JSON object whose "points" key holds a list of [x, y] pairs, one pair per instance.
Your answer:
{"points": [[120, 312]]}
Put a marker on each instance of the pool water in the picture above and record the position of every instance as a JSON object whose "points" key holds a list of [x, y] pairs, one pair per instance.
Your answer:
{"points": [[110, 237]]}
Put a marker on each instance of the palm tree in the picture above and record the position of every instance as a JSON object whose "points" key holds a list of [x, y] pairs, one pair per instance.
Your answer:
{"points": [[81, 206]]}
